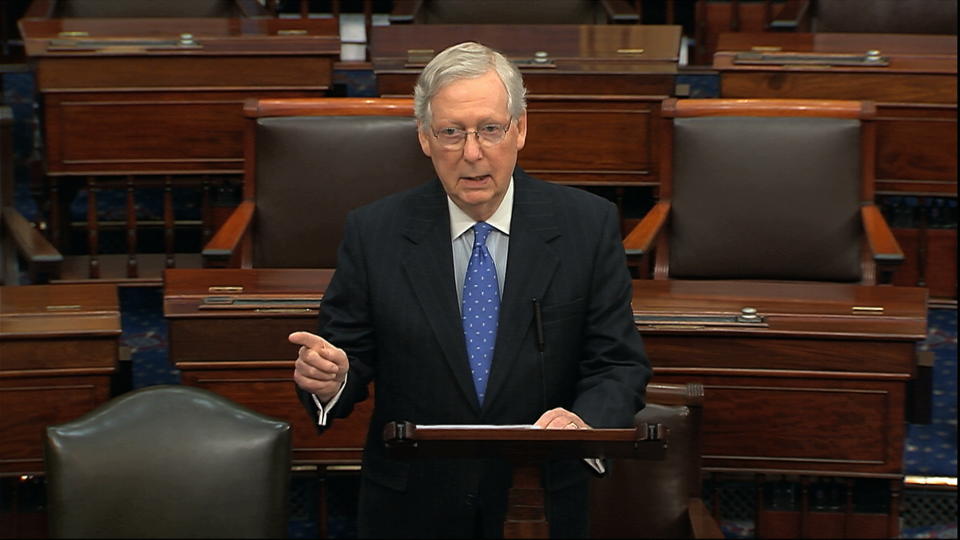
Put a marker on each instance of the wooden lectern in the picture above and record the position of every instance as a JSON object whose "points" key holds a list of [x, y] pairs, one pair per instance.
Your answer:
{"points": [[526, 448]]}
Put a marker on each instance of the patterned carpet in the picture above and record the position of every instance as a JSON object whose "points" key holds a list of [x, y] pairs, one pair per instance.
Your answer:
{"points": [[932, 448]]}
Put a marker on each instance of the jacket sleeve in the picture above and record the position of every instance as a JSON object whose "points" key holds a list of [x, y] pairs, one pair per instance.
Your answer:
{"points": [[345, 321], [614, 369]]}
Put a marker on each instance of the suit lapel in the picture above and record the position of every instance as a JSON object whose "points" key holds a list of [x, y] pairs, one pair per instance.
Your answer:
{"points": [[428, 265], [531, 264]]}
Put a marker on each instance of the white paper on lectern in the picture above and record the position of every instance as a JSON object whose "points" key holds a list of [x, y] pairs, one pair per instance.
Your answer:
{"points": [[478, 426]]}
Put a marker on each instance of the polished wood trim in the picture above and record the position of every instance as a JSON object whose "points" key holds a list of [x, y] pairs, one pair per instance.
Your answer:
{"points": [[16, 374], [880, 237], [834, 108], [34, 247], [690, 394], [639, 240], [783, 373], [702, 522], [261, 108], [224, 243]]}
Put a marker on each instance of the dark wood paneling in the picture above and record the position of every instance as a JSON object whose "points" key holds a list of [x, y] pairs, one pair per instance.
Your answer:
{"points": [[883, 87], [29, 404], [613, 141], [58, 353], [815, 387], [804, 424], [172, 72], [215, 339], [759, 352]]}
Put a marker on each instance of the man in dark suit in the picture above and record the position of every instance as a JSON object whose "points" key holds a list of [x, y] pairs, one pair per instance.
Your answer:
{"points": [[436, 299]]}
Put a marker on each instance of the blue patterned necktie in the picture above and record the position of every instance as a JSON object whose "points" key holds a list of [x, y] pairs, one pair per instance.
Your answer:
{"points": [[481, 308]]}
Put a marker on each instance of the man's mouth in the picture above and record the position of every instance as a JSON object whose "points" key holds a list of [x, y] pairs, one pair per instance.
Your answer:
{"points": [[478, 178]]}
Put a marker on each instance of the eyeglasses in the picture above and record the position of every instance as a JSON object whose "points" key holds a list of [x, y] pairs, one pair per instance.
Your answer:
{"points": [[489, 135]]}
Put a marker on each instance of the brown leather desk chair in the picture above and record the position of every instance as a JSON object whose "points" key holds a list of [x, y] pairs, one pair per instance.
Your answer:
{"points": [[168, 462], [767, 189], [308, 163], [514, 12], [640, 499]]}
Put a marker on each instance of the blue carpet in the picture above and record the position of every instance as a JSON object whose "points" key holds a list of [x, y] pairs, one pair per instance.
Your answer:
{"points": [[145, 333], [931, 449]]}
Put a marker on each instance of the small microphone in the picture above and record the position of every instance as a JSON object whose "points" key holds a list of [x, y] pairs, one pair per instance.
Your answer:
{"points": [[541, 345]]}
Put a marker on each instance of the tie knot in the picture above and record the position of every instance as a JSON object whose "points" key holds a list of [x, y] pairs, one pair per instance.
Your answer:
{"points": [[481, 230]]}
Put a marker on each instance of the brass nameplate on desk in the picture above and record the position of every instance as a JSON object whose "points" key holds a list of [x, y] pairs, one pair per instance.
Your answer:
{"points": [[681, 321], [224, 289], [118, 45], [519, 62], [288, 305], [870, 59]]}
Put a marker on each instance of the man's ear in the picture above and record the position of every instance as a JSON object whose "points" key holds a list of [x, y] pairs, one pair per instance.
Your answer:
{"points": [[424, 140], [521, 130]]}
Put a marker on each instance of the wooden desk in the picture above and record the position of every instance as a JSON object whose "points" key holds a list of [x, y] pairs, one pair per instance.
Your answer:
{"points": [[817, 388], [58, 351], [592, 103], [916, 96], [138, 99], [241, 351]]}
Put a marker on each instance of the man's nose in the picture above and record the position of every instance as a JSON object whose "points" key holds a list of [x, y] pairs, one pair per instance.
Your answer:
{"points": [[471, 147]]}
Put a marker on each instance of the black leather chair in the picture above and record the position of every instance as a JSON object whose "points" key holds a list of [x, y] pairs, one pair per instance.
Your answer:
{"points": [[767, 189], [168, 462], [661, 499], [308, 163]]}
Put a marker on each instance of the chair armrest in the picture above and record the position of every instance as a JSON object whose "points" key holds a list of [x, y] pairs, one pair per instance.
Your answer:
{"points": [[639, 240], [793, 17], [224, 243], [404, 11], [702, 524], [31, 244], [883, 245], [620, 12], [42, 258], [689, 394]]}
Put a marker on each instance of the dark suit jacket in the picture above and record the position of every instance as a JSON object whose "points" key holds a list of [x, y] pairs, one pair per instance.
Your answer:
{"points": [[392, 306]]}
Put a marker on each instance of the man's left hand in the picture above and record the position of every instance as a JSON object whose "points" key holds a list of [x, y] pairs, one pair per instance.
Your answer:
{"points": [[560, 418]]}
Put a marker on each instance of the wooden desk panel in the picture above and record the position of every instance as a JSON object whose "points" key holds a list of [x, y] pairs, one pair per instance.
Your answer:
{"points": [[243, 354], [150, 98], [591, 107], [916, 95], [613, 138], [816, 388], [58, 353]]}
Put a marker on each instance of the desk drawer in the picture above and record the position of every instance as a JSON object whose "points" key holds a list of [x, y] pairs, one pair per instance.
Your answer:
{"points": [[236, 339], [802, 424], [30, 404]]}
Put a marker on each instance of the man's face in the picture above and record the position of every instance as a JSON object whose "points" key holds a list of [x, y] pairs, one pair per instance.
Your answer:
{"points": [[476, 175]]}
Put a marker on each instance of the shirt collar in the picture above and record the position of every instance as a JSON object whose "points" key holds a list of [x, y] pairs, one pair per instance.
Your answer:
{"points": [[460, 222]]}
